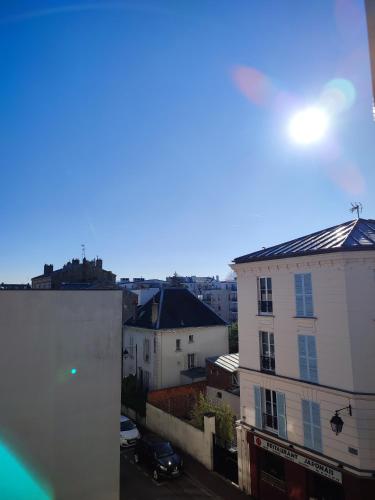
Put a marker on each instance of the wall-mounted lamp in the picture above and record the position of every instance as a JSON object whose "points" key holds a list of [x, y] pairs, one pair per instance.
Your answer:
{"points": [[337, 422]]}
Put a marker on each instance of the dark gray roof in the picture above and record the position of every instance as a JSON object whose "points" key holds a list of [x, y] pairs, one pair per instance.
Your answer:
{"points": [[193, 373], [228, 362], [358, 234], [176, 308]]}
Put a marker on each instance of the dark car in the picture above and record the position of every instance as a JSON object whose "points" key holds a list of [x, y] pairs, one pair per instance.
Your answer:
{"points": [[159, 455]]}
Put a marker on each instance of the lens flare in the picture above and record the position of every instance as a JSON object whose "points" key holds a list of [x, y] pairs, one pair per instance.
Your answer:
{"points": [[309, 125], [338, 95]]}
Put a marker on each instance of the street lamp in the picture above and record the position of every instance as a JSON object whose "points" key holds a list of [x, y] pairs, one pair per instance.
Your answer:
{"points": [[125, 355], [337, 422]]}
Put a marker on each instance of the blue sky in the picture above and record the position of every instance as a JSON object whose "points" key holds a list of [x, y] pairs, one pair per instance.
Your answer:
{"points": [[133, 127]]}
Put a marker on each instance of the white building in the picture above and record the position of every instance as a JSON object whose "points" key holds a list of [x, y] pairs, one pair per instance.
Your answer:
{"points": [[306, 350], [168, 341]]}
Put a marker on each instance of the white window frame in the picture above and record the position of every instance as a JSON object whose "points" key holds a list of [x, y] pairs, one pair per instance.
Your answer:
{"points": [[146, 350], [270, 352], [268, 294], [269, 408], [191, 339], [303, 296], [131, 347], [191, 356]]}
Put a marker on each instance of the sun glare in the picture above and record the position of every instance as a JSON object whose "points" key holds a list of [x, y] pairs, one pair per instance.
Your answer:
{"points": [[309, 125]]}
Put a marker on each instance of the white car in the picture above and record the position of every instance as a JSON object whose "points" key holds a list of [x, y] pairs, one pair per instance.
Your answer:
{"points": [[128, 432]]}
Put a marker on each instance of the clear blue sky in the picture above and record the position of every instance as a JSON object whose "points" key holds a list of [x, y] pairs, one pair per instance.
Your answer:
{"points": [[123, 126]]}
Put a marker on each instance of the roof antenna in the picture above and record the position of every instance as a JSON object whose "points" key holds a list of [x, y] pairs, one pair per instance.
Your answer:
{"points": [[356, 206], [83, 251]]}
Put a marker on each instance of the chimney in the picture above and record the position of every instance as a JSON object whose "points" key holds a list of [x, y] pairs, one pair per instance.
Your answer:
{"points": [[154, 312], [48, 269]]}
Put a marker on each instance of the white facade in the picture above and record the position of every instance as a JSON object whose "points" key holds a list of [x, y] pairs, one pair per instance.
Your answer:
{"points": [[161, 355], [342, 328]]}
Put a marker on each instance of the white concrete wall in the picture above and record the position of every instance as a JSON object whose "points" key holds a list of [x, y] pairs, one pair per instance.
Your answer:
{"points": [[196, 443], [344, 327], [226, 398], [63, 427]]}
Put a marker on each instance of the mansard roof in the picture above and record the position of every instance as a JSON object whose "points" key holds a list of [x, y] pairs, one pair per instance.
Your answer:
{"points": [[358, 234]]}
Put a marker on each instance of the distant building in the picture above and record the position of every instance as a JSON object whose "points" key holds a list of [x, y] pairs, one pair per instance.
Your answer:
{"points": [[220, 296], [14, 286], [140, 283], [169, 339], [78, 275]]}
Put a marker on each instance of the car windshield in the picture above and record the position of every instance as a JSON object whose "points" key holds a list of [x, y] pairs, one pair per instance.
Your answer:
{"points": [[163, 450], [128, 425]]}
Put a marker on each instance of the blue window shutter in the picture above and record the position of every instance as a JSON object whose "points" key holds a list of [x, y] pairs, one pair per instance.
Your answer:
{"points": [[312, 359], [316, 427], [258, 406], [302, 353], [307, 428], [281, 414], [298, 283], [309, 308]]}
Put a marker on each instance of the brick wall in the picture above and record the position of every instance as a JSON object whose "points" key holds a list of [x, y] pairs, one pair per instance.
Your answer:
{"points": [[177, 401]]}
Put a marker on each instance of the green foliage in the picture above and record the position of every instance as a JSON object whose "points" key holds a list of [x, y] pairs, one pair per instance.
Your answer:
{"points": [[132, 396], [223, 414], [233, 338]]}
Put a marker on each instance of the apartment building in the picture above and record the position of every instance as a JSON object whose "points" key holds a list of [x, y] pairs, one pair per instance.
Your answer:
{"points": [[306, 364]]}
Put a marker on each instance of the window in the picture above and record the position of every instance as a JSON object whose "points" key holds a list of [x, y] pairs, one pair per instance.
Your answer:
{"points": [[272, 470], [267, 352], [131, 347], [270, 413], [311, 425], [178, 345], [308, 365], [303, 290], [191, 361], [146, 350], [191, 339], [265, 296], [269, 409]]}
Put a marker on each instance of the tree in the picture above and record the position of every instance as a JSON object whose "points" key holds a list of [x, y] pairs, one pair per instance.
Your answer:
{"points": [[223, 414], [233, 338]]}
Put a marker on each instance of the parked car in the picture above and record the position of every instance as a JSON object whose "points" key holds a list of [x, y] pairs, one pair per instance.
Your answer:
{"points": [[159, 455], [129, 434]]}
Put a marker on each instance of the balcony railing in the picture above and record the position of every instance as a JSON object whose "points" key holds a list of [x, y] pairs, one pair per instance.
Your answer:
{"points": [[267, 364]]}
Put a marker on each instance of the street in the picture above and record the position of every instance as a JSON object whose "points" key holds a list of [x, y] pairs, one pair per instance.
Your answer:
{"points": [[136, 483]]}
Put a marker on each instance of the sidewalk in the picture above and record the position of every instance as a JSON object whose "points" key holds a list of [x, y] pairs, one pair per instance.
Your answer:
{"points": [[211, 481]]}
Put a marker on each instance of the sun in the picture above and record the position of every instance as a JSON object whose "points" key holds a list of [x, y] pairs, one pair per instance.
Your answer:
{"points": [[308, 125]]}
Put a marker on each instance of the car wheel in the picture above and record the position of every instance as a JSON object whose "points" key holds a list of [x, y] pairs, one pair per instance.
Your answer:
{"points": [[155, 475], [136, 458]]}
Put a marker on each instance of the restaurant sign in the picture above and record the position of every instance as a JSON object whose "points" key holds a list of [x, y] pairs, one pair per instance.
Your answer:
{"points": [[308, 463]]}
